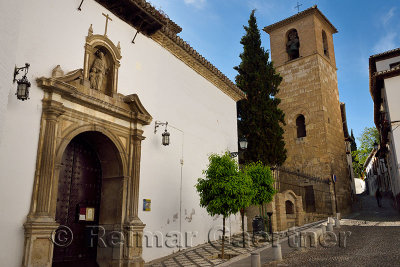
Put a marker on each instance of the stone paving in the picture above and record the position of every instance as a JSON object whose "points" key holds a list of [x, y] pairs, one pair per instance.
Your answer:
{"points": [[374, 241], [206, 254]]}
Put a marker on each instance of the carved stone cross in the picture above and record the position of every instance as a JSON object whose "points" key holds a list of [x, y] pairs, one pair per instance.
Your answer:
{"points": [[107, 18]]}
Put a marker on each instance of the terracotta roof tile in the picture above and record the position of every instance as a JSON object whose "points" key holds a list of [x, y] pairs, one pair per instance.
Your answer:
{"points": [[302, 14]]}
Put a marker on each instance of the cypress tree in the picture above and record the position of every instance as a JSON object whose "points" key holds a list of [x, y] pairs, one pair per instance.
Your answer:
{"points": [[353, 142], [259, 118]]}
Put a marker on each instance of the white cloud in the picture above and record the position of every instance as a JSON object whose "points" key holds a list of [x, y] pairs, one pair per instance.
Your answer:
{"points": [[196, 3], [386, 42], [389, 38], [388, 16]]}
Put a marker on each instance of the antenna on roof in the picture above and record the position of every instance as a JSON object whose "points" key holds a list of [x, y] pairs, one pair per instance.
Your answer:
{"points": [[298, 7]]}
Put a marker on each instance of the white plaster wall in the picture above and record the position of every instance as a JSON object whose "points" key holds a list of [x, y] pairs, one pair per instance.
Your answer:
{"points": [[53, 32], [392, 94], [385, 64]]}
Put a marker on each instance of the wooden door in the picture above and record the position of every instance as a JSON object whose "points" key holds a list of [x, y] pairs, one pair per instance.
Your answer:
{"points": [[79, 189]]}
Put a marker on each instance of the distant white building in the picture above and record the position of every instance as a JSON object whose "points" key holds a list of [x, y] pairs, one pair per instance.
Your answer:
{"points": [[359, 185], [376, 174], [384, 71]]}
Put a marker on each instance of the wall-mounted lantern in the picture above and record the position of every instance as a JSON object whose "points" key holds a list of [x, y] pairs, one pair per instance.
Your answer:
{"points": [[242, 145], [165, 135], [23, 83]]}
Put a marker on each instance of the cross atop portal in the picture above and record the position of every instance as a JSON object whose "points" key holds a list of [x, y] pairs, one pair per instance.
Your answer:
{"points": [[107, 18], [298, 7]]}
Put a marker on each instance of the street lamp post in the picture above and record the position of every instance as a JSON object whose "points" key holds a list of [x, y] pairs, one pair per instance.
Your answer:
{"points": [[270, 224]]}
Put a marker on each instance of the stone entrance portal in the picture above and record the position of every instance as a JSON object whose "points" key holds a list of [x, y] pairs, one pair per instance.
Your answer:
{"points": [[110, 124], [78, 202]]}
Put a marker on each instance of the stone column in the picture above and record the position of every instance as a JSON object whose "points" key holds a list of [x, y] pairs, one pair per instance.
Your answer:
{"points": [[40, 224], [299, 211], [133, 229], [280, 212], [137, 138]]}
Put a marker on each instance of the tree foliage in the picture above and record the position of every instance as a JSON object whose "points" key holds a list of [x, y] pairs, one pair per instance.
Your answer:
{"points": [[224, 190], [259, 118], [263, 182], [369, 136]]}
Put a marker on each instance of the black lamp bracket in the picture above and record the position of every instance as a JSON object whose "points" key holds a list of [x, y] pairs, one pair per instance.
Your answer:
{"points": [[17, 70], [79, 8], [234, 154], [158, 124]]}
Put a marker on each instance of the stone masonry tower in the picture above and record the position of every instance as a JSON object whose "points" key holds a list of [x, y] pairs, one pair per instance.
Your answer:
{"points": [[302, 52]]}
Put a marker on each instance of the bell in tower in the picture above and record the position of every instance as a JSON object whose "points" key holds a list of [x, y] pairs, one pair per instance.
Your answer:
{"points": [[293, 44]]}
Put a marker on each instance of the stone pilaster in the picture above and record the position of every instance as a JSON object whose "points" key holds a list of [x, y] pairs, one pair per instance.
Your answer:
{"points": [[52, 110], [299, 211], [137, 138], [40, 225], [132, 254]]}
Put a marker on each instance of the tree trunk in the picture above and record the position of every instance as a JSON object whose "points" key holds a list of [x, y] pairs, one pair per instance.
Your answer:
{"points": [[223, 237], [244, 241], [263, 215]]}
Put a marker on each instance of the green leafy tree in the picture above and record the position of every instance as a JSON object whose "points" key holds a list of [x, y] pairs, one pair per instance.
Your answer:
{"points": [[259, 118], [263, 184], [224, 190], [368, 138]]}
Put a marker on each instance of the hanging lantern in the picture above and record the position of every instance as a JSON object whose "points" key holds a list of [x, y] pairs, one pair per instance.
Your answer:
{"points": [[23, 89], [23, 84], [243, 143], [165, 138]]}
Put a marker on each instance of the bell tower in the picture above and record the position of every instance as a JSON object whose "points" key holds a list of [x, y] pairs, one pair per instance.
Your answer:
{"points": [[302, 52]]}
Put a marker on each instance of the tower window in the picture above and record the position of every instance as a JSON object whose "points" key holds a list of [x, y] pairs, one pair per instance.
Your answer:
{"points": [[325, 43], [293, 44], [301, 126]]}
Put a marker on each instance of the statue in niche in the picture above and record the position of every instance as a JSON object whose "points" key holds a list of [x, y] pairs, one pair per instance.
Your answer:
{"points": [[293, 45], [98, 71]]}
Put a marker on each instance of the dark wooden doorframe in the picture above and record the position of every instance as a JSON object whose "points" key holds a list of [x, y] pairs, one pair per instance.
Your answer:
{"points": [[79, 188]]}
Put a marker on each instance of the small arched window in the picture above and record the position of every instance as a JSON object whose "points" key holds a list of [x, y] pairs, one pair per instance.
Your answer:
{"points": [[289, 207], [293, 44], [301, 126], [325, 43]]}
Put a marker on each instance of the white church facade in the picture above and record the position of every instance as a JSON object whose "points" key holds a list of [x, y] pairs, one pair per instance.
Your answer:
{"points": [[84, 155]]}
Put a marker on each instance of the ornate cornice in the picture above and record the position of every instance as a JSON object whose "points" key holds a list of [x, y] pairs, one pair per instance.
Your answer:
{"points": [[93, 99], [312, 10], [187, 54], [141, 15]]}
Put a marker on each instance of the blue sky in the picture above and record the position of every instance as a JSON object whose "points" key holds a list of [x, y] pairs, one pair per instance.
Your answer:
{"points": [[214, 28]]}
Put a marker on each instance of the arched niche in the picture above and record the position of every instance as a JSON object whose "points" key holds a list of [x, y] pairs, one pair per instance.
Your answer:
{"points": [[289, 206], [292, 44], [101, 63]]}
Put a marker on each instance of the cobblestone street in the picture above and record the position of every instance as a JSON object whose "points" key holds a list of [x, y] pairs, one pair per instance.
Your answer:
{"points": [[374, 241]]}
